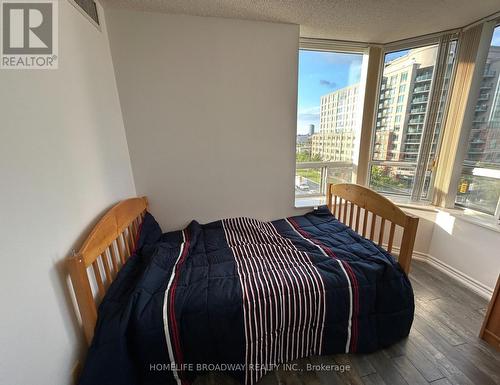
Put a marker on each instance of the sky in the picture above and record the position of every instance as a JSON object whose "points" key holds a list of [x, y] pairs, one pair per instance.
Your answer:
{"points": [[394, 55], [496, 37], [319, 74]]}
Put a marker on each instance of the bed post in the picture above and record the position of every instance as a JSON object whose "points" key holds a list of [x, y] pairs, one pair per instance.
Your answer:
{"points": [[329, 196], [407, 243], [83, 293]]}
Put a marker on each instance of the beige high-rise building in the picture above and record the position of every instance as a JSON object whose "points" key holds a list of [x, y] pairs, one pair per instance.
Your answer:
{"points": [[338, 121], [402, 105]]}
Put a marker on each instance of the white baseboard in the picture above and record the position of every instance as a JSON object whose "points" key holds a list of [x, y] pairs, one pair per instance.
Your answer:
{"points": [[479, 288], [476, 286]]}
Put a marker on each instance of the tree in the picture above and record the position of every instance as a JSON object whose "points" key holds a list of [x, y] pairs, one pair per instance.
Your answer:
{"points": [[380, 178], [306, 157]]}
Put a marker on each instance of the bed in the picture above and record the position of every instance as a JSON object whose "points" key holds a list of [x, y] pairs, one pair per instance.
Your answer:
{"points": [[238, 295]]}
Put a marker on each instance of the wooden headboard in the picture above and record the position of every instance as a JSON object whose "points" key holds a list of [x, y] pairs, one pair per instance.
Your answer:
{"points": [[106, 249], [348, 201]]}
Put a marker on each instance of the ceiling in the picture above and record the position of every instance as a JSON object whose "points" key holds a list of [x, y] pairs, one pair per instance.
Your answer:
{"points": [[374, 21]]}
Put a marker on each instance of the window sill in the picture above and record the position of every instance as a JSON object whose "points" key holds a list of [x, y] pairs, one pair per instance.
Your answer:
{"points": [[474, 217], [310, 202], [466, 215]]}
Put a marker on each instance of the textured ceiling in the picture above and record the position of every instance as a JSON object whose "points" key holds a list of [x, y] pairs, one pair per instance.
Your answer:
{"points": [[376, 21]]}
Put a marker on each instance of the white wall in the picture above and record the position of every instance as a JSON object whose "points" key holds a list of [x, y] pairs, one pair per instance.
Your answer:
{"points": [[209, 107], [63, 160], [425, 229], [467, 247], [459, 247]]}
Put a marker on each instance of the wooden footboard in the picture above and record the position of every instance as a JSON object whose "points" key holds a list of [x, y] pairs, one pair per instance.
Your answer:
{"points": [[359, 207], [106, 249]]}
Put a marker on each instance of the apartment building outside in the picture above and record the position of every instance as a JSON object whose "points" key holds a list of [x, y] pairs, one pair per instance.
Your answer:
{"points": [[402, 105], [404, 94], [339, 120], [485, 130]]}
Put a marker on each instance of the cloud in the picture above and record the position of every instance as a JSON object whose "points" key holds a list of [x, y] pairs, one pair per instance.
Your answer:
{"points": [[354, 73], [309, 114], [342, 58], [327, 83]]}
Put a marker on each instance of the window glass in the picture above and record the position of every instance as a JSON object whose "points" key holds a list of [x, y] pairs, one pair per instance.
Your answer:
{"points": [[329, 120], [479, 186], [398, 140]]}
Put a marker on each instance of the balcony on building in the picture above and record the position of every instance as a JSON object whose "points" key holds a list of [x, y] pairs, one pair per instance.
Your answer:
{"points": [[417, 129], [419, 100], [421, 89], [423, 78]]}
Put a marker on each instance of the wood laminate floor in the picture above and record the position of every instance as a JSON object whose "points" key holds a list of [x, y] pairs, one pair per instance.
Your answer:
{"points": [[442, 349]]}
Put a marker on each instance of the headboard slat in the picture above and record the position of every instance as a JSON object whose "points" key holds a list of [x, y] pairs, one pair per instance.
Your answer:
{"points": [[114, 261], [391, 237], [374, 205], [121, 250], [131, 236], [381, 232], [125, 242], [358, 211], [351, 212], [107, 270], [372, 229], [365, 222], [98, 279], [119, 224]]}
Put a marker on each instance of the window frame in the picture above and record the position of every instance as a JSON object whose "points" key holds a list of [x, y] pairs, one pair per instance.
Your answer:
{"points": [[420, 161], [371, 99], [466, 127], [335, 46]]}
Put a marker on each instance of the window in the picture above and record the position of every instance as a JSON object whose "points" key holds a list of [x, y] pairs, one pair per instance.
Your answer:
{"points": [[329, 121], [479, 186], [400, 163]]}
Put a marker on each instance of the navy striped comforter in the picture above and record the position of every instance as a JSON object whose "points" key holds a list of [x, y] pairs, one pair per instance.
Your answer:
{"points": [[242, 296]]}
